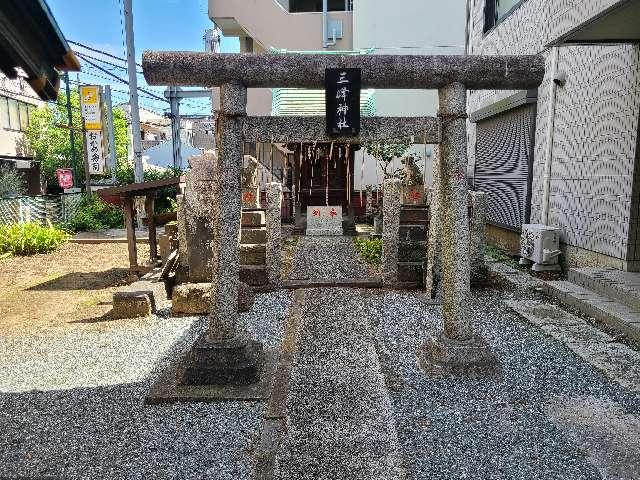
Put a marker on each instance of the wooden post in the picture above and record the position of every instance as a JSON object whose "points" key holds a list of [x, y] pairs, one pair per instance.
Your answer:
{"points": [[151, 226], [127, 204]]}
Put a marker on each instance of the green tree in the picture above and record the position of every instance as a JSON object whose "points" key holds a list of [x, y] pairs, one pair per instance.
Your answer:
{"points": [[385, 153], [48, 137]]}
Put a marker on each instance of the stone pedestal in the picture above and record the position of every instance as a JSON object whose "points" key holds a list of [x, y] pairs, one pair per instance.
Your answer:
{"points": [[274, 233], [390, 231], [251, 197], [413, 195], [478, 201], [458, 349], [433, 272], [234, 361]]}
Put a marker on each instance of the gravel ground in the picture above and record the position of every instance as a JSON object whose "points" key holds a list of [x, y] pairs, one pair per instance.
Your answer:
{"points": [[501, 427], [326, 258], [72, 406]]}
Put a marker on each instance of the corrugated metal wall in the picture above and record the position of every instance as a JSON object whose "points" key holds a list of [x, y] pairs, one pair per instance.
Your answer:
{"points": [[503, 160]]}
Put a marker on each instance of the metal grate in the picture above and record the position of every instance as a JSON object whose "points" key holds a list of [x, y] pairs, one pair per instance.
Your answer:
{"points": [[55, 208], [503, 165]]}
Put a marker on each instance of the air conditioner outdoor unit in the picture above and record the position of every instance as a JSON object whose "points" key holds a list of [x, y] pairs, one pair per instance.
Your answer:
{"points": [[540, 245]]}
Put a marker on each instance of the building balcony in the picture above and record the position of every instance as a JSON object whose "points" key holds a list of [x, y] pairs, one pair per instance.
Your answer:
{"points": [[288, 24]]}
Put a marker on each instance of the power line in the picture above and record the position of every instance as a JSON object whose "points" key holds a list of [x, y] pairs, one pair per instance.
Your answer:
{"points": [[118, 78], [121, 67], [98, 51]]}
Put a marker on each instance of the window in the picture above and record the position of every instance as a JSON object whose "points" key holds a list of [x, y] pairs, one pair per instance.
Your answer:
{"points": [[4, 113], [14, 114], [24, 116], [497, 10], [297, 6]]}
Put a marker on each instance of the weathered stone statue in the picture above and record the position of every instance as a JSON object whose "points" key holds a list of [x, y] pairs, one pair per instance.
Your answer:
{"points": [[249, 183], [412, 182]]}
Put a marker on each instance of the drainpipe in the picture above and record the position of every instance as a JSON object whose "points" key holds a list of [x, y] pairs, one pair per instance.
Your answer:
{"points": [[325, 26], [548, 153]]}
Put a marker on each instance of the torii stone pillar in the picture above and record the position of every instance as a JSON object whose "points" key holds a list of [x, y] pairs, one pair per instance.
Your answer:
{"points": [[457, 349], [225, 354]]}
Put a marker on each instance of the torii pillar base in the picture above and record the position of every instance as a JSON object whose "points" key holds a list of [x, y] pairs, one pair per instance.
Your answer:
{"points": [[230, 362], [441, 355]]}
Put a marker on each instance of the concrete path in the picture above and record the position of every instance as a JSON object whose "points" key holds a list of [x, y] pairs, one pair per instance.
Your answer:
{"points": [[340, 422]]}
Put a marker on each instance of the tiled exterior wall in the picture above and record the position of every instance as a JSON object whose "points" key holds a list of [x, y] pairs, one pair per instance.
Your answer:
{"points": [[593, 198]]}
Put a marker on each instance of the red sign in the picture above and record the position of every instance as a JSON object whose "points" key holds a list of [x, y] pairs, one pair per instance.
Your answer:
{"points": [[65, 177]]}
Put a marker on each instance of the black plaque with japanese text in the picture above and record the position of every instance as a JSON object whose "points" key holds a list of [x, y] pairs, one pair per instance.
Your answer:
{"points": [[342, 100]]}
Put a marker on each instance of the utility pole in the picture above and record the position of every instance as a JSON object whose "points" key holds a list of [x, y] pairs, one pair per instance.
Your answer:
{"points": [[133, 93], [110, 132], [174, 102], [70, 120]]}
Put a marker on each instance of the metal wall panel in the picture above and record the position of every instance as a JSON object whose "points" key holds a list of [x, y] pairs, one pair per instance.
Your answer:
{"points": [[503, 160]]}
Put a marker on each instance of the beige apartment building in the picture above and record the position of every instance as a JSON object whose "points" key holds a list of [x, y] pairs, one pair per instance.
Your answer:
{"points": [[567, 154], [353, 26]]}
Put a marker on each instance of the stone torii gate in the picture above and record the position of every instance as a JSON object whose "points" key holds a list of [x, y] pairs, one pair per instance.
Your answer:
{"points": [[227, 355]]}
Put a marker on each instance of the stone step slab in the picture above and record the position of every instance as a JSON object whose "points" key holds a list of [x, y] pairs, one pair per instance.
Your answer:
{"points": [[253, 254], [615, 284], [615, 315], [412, 251], [250, 235], [254, 275], [255, 218], [411, 272], [414, 215], [412, 232]]}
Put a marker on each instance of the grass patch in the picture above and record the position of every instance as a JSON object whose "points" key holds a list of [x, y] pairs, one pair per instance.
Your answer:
{"points": [[501, 256], [370, 249], [30, 238]]}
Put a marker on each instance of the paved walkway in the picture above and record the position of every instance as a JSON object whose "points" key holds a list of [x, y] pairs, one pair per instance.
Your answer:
{"points": [[340, 419], [328, 258], [113, 235]]}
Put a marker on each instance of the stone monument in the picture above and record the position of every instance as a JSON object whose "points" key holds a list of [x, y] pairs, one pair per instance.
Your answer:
{"points": [[324, 221]]}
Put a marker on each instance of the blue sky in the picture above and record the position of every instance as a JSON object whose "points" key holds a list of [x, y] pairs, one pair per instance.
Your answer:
{"points": [[157, 24]]}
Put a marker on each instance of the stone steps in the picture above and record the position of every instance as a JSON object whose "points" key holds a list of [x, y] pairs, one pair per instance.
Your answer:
{"points": [[414, 214], [412, 251], [615, 284], [614, 314], [254, 275], [411, 272], [412, 232], [250, 235], [253, 218], [253, 254]]}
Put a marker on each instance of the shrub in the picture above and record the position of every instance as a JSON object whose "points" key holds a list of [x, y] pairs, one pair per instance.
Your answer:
{"points": [[95, 214], [370, 249], [30, 238]]}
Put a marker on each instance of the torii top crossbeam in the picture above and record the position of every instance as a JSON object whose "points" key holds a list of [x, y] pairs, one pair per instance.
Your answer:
{"points": [[378, 71]]}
